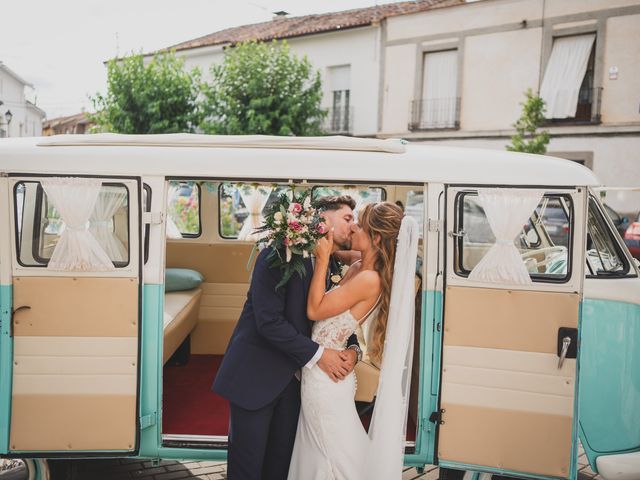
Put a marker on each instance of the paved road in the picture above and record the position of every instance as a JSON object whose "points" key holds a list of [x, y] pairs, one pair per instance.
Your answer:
{"points": [[128, 469]]}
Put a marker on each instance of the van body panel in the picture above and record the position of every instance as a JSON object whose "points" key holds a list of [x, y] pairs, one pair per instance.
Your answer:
{"points": [[151, 369], [6, 364]]}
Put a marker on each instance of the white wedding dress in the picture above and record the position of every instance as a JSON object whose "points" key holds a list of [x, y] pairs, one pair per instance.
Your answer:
{"points": [[330, 442]]}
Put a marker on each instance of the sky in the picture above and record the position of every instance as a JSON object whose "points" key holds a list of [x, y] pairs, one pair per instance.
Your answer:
{"points": [[60, 47]]}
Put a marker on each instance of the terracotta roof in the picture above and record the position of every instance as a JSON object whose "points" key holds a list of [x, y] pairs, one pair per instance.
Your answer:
{"points": [[287, 27], [75, 119]]}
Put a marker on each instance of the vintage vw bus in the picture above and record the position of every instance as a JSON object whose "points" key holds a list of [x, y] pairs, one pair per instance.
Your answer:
{"points": [[125, 261]]}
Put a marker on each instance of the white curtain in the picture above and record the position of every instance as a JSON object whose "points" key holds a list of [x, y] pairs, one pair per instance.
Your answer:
{"points": [[172, 229], [507, 211], [110, 200], [254, 199], [77, 249], [439, 89], [387, 432], [564, 75]]}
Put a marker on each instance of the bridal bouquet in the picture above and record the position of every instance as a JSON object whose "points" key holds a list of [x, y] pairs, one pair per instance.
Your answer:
{"points": [[291, 227]]}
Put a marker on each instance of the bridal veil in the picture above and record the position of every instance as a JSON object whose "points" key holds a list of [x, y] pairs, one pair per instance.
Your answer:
{"points": [[385, 455]]}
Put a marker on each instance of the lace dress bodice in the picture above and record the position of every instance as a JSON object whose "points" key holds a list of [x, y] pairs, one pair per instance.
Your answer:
{"points": [[335, 331]]}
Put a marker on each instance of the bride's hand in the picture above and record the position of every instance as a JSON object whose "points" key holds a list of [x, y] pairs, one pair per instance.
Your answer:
{"points": [[324, 247]]}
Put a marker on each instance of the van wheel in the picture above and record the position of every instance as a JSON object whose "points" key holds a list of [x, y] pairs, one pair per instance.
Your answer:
{"points": [[451, 474], [24, 469]]}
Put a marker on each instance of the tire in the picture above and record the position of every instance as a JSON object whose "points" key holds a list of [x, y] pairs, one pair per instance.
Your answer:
{"points": [[25, 469]]}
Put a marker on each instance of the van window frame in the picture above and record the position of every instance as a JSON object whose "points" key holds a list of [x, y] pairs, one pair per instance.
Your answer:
{"points": [[35, 236], [629, 271], [462, 272], [196, 182]]}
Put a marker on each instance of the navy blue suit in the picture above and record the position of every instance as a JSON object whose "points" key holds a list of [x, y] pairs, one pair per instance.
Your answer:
{"points": [[269, 344]]}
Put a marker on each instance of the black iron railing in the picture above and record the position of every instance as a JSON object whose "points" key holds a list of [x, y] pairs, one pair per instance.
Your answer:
{"points": [[339, 120], [435, 113]]}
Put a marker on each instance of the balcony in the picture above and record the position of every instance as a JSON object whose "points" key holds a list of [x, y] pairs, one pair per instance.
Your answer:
{"points": [[435, 113], [587, 111], [339, 121]]}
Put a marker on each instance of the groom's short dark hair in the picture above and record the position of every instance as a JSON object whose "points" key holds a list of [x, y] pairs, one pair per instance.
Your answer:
{"points": [[334, 202]]}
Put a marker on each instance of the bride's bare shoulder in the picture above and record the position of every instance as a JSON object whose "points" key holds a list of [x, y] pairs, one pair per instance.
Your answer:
{"points": [[369, 279]]}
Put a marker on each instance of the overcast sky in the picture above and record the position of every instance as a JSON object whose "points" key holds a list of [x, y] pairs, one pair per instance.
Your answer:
{"points": [[60, 46]]}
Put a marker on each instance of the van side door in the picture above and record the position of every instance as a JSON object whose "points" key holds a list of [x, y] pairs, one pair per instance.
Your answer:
{"points": [[73, 380], [509, 363]]}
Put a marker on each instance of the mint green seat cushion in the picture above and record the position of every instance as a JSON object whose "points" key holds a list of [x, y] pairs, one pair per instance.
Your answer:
{"points": [[177, 279]]}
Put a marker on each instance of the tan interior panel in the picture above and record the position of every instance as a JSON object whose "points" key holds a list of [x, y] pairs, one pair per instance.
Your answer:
{"points": [[503, 439], [182, 319], [64, 422], [109, 306], [218, 263], [508, 319]]}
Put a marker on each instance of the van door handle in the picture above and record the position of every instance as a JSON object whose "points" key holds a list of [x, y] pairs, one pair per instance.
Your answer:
{"points": [[13, 312], [566, 341]]}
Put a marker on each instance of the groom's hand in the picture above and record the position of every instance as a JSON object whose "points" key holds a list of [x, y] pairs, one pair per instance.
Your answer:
{"points": [[350, 357], [333, 365]]}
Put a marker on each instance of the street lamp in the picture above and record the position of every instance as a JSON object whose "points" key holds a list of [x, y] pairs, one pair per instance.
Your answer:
{"points": [[9, 116]]}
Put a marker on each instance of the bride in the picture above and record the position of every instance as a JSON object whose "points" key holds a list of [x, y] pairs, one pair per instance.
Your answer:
{"points": [[331, 442]]}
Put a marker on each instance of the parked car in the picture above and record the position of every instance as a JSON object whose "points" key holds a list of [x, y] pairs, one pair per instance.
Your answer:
{"points": [[621, 223], [632, 237]]}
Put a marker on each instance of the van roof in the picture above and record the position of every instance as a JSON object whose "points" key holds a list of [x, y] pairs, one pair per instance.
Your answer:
{"points": [[281, 158]]}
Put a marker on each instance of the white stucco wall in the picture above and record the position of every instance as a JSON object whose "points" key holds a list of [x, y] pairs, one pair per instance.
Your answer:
{"points": [[358, 47], [399, 79], [458, 18], [498, 69], [26, 122], [621, 97]]}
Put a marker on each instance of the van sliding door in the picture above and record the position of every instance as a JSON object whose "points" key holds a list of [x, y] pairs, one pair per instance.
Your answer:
{"points": [[75, 328], [508, 379]]}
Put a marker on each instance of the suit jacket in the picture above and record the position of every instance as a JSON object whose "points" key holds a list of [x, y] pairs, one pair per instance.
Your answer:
{"points": [[271, 340]]}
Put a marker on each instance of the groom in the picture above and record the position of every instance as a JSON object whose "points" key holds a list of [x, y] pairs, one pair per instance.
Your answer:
{"points": [[268, 347]]}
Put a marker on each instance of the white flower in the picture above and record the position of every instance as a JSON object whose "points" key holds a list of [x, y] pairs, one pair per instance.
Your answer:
{"points": [[305, 254], [277, 217]]}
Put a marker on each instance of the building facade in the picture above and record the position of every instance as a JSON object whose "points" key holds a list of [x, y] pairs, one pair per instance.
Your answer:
{"points": [[19, 117], [78, 124], [457, 76], [343, 46]]}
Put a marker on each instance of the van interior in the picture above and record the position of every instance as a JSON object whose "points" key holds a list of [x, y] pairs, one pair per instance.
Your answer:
{"points": [[210, 226]]}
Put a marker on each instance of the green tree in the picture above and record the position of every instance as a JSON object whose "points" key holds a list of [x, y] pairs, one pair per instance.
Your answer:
{"points": [[157, 96], [527, 138], [262, 88]]}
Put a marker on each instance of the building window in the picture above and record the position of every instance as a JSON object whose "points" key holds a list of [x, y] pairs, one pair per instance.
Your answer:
{"points": [[340, 116], [438, 105], [568, 84]]}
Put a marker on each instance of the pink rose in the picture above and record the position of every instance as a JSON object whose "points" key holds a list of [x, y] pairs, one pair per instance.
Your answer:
{"points": [[287, 241], [295, 208], [295, 226], [322, 228]]}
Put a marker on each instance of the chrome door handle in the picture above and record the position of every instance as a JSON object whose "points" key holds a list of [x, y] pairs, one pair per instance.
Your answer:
{"points": [[457, 234], [566, 341], [13, 312]]}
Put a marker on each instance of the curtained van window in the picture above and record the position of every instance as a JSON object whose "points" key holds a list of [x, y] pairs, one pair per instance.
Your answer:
{"points": [[567, 86]]}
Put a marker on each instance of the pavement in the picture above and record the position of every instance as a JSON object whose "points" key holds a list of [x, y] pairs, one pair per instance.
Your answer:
{"points": [[128, 469]]}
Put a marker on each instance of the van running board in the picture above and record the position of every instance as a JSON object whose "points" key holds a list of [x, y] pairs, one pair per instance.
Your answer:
{"points": [[196, 441]]}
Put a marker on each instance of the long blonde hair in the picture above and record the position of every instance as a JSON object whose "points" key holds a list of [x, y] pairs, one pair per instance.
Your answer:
{"points": [[381, 221]]}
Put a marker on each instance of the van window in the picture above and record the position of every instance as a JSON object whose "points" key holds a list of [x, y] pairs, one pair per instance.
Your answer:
{"points": [[361, 194], [39, 225], [184, 207], [543, 241], [233, 211], [415, 207], [604, 256]]}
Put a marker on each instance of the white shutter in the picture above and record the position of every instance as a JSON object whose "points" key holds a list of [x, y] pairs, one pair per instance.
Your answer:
{"points": [[340, 78], [439, 89], [564, 75]]}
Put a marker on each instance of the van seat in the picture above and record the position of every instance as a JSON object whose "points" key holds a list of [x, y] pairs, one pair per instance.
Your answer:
{"points": [[180, 318]]}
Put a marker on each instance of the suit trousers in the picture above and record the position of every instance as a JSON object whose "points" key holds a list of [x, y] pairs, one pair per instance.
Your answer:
{"points": [[261, 441]]}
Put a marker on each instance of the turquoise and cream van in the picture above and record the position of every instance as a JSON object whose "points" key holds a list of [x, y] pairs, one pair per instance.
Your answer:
{"points": [[125, 261]]}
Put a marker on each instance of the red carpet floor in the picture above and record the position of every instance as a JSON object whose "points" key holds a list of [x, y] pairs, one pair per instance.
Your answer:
{"points": [[191, 408]]}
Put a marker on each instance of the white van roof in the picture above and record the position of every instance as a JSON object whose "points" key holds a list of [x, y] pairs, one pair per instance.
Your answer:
{"points": [[281, 158]]}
